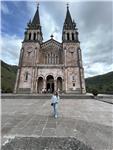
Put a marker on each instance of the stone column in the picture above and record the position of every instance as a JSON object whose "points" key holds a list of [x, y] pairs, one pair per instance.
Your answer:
{"points": [[32, 81], [44, 83], [65, 56], [36, 84], [63, 85], [32, 33], [55, 85], [70, 36]]}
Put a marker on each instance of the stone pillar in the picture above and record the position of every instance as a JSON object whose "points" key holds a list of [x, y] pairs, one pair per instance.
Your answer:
{"points": [[70, 36], [63, 85], [32, 33], [44, 83], [65, 56], [36, 84], [55, 85], [32, 81], [27, 35]]}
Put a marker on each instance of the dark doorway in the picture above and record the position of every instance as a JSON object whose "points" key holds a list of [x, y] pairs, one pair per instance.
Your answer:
{"points": [[50, 84], [40, 85], [59, 84]]}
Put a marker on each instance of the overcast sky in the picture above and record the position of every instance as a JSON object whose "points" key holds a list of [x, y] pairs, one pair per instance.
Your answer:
{"points": [[94, 22]]}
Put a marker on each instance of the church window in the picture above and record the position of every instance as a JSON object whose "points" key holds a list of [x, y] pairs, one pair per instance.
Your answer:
{"points": [[79, 53], [67, 36], [45, 59], [52, 59], [49, 59], [34, 36], [73, 84], [56, 59], [29, 36], [73, 77], [26, 76], [73, 37]]}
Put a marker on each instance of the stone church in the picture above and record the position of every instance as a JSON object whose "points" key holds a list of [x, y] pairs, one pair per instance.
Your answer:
{"points": [[50, 66]]}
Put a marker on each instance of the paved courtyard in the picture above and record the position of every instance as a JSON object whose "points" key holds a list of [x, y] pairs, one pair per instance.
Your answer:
{"points": [[89, 121]]}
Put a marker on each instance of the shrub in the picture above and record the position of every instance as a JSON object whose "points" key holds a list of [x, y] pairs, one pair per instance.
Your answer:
{"points": [[94, 92]]}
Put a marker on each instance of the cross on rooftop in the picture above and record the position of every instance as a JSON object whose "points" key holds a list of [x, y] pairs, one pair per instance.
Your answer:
{"points": [[37, 4], [67, 5], [51, 36]]}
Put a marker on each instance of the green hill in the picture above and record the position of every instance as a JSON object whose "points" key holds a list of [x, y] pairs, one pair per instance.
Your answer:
{"points": [[103, 83], [8, 77]]}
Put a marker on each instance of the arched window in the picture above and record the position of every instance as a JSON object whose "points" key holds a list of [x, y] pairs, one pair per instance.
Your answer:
{"points": [[56, 59], [67, 36], [73, 77], [49, 59], [46, 59], [29, 36], [26, 76], [73, 37], [73, 84], [34, 36]]}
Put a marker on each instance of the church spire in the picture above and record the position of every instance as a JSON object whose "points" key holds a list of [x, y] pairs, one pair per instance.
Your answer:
{"points": [[33, 30], [68, 24], [36, 19], [70, 33]]}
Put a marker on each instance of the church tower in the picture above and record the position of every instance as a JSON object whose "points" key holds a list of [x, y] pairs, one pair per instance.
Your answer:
{"points": [[74, 73], [29, 56], [33, 31]]}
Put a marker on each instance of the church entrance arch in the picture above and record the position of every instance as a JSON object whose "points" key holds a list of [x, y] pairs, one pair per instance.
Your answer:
{"points": [[50, 84], [59, 84], [40, 85]]}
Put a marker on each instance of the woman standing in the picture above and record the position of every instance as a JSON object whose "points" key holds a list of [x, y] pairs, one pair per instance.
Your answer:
{"points": [[54, 102]]}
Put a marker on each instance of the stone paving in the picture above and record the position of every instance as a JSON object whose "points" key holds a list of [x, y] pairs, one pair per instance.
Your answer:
{"points": [[89, 121], [45, 143]]}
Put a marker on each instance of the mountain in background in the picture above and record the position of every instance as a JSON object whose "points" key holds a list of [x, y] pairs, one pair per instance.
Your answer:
{"points": [[8, 77], [102, 83]]}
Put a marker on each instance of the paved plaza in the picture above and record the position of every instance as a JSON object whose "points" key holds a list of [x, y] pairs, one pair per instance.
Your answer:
{"points": [[88, 120]]}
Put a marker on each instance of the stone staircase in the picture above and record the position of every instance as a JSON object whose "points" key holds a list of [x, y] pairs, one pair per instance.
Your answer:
{"points": [[48, 96]]}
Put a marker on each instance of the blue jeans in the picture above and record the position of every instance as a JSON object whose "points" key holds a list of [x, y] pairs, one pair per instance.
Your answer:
{"points": [[55, 105]]}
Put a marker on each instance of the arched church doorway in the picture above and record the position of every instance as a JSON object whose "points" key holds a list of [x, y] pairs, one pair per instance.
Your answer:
{"points": [[59, 84], [40, 85], [50, 84]]}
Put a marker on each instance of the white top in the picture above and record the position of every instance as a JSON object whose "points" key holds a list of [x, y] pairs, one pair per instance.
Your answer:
{"points": [[55, 99]]}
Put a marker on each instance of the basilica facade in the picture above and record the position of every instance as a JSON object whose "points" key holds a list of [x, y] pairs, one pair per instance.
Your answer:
{"points": [[51, 65]]}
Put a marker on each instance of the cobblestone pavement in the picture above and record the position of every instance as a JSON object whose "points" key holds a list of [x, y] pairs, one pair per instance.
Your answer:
{"points": [[89, 121]]}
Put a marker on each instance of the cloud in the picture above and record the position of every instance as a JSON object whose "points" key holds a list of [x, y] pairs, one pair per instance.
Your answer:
{"points": [[97, 68], [10, 49], [48, 22], [94, 23]]}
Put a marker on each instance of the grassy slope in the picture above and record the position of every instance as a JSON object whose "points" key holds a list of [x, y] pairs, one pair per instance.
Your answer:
{"points": [[8, 76], [103, 83]]}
